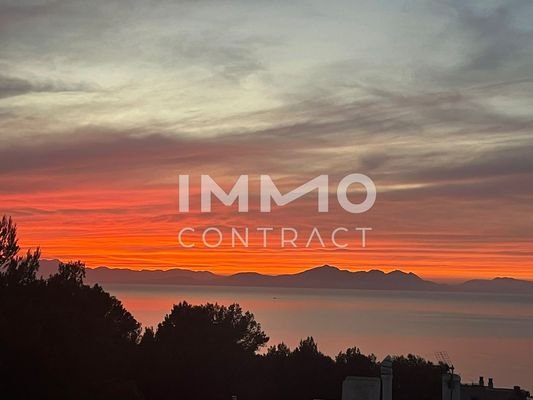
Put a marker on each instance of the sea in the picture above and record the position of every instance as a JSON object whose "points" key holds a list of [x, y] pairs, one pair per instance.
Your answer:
{"points": [[489, 335]]}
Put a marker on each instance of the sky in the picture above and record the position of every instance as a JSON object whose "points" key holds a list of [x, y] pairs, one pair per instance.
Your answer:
{"points": [[104, 103]]}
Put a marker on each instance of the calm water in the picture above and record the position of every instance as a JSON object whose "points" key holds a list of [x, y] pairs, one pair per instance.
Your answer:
{"points": [[484, 334]]}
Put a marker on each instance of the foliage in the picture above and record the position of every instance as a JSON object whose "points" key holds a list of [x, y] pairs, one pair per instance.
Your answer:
{"points": [[15, 269], [60, 338]]}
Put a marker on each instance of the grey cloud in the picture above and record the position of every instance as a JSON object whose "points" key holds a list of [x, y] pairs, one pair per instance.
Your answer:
{"points": [[501, 162], [400, 133], [104, 156], [230, 57], [500, 40], [12, 86], [155, 33], [494, 45], [442, 116]]}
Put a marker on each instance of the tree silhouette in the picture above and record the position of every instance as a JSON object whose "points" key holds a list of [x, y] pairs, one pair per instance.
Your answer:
{"points": [[416, 378], [15, 269], [60, 339], [212, 325], [196, 344], [280, 351], [8, 241], [72, 273], [353, 362]]}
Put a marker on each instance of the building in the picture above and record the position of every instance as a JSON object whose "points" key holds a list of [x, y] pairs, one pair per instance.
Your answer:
{"points": [[481, 391], [380, 388], [374, 388]]}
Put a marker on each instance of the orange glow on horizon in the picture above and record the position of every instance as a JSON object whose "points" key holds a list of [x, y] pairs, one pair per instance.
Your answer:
{"points": [[161, 251], [137, 228]]}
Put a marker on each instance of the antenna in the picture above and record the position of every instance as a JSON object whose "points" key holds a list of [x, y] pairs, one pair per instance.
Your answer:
{"points": [[444, 358]]}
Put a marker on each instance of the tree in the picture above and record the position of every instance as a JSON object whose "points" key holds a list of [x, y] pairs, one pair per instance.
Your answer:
{"points": [[148, 338], [307, 348], [8, 241], [60, 338], [15, 269], [72, 273], [416, 378], [211, 326], [201, 352], [353, 362], [281, 351]]}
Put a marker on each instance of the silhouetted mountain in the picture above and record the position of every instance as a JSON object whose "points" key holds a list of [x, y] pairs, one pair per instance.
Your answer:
{"points": [[124, 275], [498, 285], [47, 267], [332, 277], [325, 276]]}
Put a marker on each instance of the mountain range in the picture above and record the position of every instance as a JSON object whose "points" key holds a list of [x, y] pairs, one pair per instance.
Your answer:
{"points": [[325, 276]]}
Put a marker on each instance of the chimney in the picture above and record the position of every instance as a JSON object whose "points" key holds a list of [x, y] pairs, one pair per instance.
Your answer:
{"points": [[481, 381], [386, 378], [491, 383]]}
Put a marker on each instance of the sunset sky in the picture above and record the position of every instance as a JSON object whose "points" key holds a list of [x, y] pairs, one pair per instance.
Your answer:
{"points": [[104, 103]]}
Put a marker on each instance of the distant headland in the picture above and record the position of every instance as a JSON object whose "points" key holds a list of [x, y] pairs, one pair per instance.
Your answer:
{"points": [[325, 277]]}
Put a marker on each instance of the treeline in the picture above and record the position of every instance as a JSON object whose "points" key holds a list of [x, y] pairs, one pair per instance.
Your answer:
{"points": [[62, 339]]}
